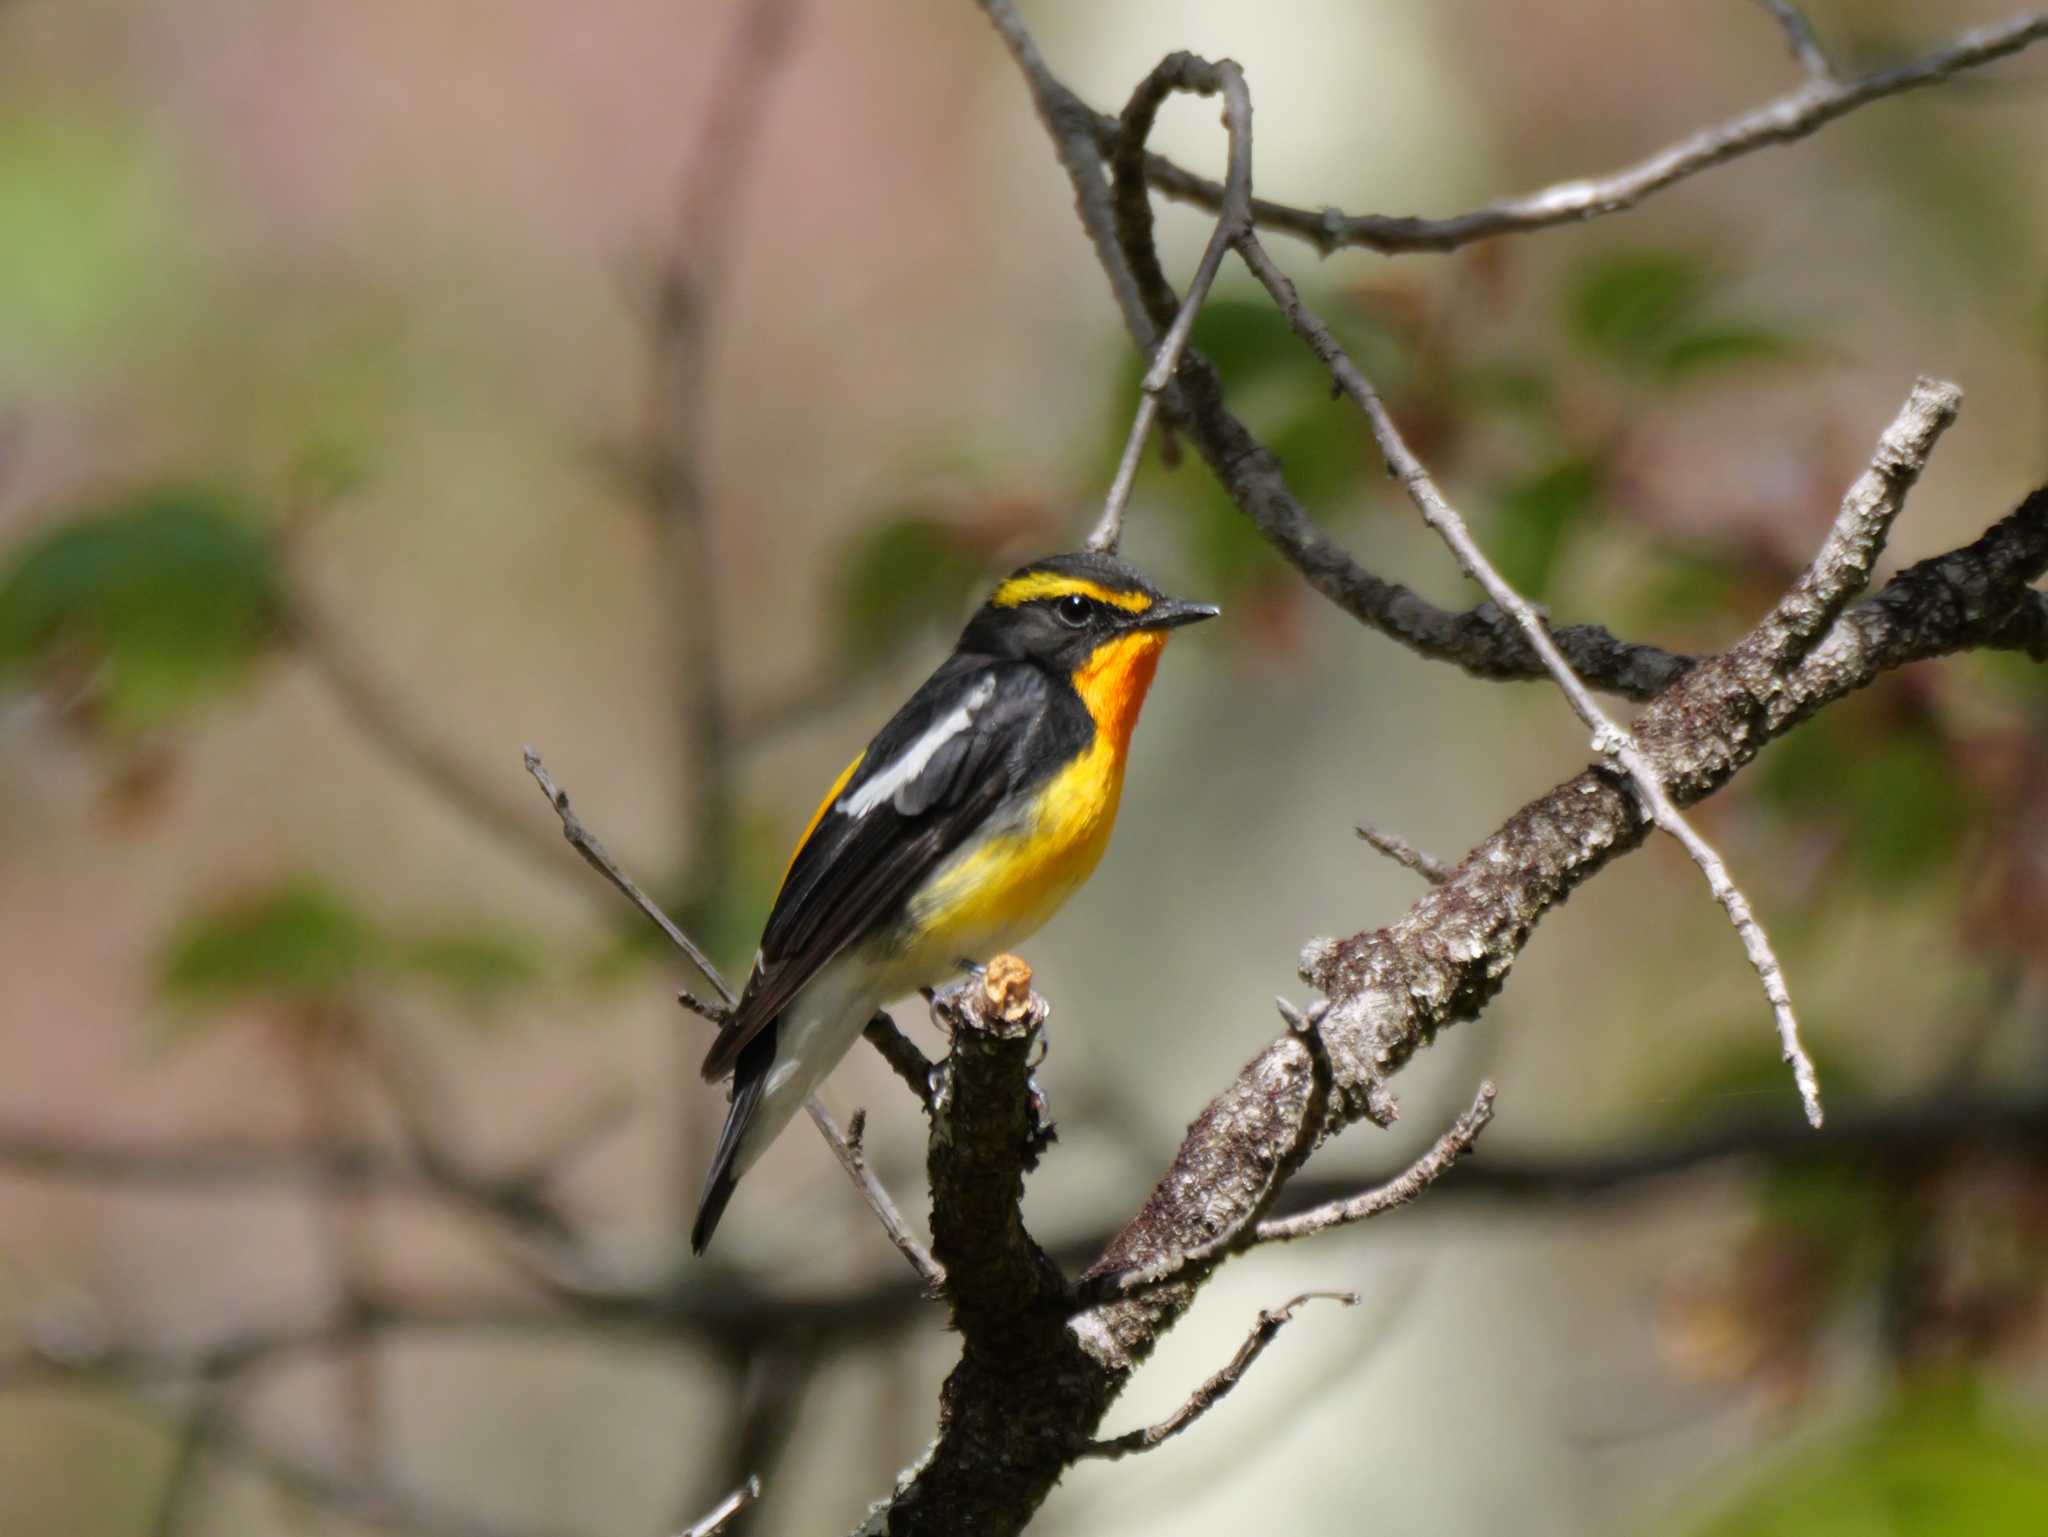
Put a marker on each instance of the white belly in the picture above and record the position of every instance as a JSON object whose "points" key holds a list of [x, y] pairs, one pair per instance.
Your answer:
{"points": [[814, 1032]]}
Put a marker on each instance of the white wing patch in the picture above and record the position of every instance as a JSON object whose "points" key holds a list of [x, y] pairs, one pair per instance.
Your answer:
{"points": [[917, 755]]}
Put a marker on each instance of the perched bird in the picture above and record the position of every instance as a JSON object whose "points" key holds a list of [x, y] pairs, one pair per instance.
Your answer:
{"points": [[972, 816]]}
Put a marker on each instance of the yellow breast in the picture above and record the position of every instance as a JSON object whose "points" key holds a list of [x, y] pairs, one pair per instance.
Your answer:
{"points": [[1000, 890]]}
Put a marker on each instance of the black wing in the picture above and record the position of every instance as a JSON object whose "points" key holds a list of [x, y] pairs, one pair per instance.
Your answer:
{"points": [[975, 733]]}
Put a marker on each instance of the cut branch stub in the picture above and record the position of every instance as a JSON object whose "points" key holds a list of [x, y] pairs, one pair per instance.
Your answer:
{"points": [[1022, 1373], [985, 1135]]}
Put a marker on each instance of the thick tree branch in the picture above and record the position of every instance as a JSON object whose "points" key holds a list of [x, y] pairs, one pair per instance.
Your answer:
{"points": [[1007, 1297], [1187, 1268]]}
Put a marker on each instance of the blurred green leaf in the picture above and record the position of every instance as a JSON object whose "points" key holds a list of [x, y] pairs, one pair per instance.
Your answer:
{"points": [[171, 591], [1323, 448], [299, 942], [1711, 348], [1645, 311], [92, 250], [1934, 1467], [302, 942], [910, 574], [1912, 809], [1902, 806], [2012, 674], [1509, 389], [480, 965], [1742, 1079], [1630, 306], [1685, 586], [1248, 340], [1535, 515]]}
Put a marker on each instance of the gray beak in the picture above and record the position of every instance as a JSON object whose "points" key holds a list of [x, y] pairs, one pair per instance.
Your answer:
{"points": [[1171, 614]]}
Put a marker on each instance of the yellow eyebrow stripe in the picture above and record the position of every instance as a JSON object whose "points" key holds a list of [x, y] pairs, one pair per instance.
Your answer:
{"points": [[1048, 584]]}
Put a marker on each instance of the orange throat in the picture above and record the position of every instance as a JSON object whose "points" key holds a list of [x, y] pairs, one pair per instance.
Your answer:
{"points": [[1113, 681]]}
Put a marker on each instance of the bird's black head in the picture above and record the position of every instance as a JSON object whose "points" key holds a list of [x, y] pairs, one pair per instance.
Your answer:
{"points": [[1061, 610]]}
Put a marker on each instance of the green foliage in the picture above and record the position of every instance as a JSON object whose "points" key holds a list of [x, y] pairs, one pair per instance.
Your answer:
{"points": [[2013, 675], [1536, 515], [1902, 807], [299, 942], [1745, 1077], [1626, 306], [1646, 312], [908, 575], [1517, 390], [171, 592], [1932, 1467], [1731, 345], [1685, 586], [91, 238], [477, 965]]}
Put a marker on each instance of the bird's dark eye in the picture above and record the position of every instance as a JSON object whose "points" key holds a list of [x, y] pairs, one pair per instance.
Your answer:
{"points": [[1073, 610]]}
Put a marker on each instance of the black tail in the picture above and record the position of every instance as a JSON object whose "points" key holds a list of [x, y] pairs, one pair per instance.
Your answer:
{"points": [[749, 1079]]}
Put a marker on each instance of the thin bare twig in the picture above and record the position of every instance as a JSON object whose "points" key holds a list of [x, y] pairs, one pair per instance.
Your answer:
{"points": [[1404, 853], [1400, 1190], [585, 843], [1814, 104], [1182, 71], [1217, 1388], [714, 1520], [1608, 738], [903, 1056], [849, 1158], [1840, 570], [853, 1159], [1804, 41]]}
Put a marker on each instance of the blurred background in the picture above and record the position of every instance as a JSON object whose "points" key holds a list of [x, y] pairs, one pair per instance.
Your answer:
{"points": [[378, 397]]}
